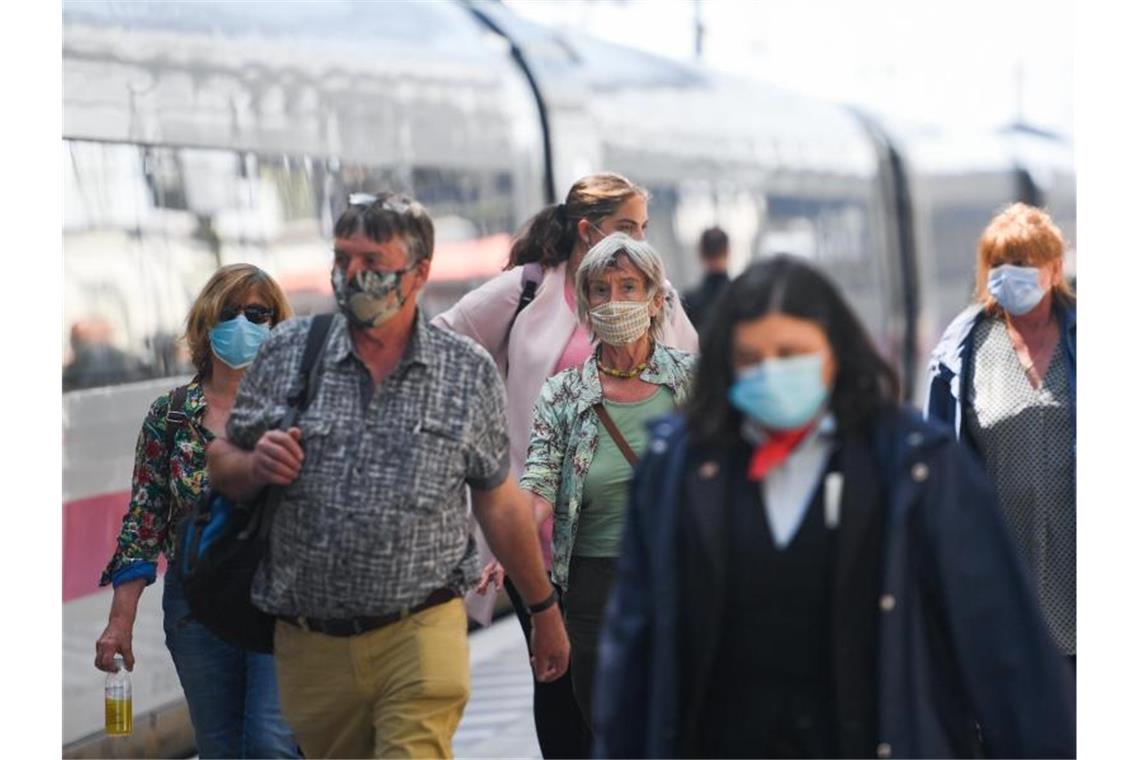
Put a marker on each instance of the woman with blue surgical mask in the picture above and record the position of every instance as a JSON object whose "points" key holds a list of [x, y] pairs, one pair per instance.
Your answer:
{"points": [[1004, 376], [805, 563], [231, 693]]}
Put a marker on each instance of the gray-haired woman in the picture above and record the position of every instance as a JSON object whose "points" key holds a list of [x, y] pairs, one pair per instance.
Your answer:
{"points": [[589, 428]]}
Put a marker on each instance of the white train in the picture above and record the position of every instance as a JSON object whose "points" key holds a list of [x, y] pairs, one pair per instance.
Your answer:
{"points": [[198, 134]]}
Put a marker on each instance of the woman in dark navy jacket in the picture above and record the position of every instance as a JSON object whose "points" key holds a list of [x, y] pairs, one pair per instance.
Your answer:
{"points": [[808, 570]]}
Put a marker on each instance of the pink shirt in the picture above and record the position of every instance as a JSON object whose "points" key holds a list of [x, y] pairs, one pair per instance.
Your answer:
{"points": [[579, 347]]}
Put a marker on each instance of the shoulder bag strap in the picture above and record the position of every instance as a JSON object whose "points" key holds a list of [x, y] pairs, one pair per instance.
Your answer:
{"points": [[612, 429], [175, 418], [308, 377]]}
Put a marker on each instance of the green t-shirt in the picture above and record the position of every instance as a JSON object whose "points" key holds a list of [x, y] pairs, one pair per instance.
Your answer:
{"points": [[606, 489]]}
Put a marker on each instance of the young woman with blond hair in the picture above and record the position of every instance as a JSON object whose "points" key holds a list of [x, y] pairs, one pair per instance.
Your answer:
{"points": [[232, 694]]}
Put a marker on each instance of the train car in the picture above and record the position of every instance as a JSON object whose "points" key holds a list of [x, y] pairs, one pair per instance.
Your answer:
{"points": [[204, 133]]}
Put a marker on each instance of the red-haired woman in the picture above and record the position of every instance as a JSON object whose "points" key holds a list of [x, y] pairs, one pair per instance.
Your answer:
{"points": [[1004, 376]]}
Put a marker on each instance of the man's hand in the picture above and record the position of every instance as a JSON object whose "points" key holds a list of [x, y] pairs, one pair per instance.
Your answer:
{"points": [[550, 645], [492, 573], [116, 639], [277, 457]]}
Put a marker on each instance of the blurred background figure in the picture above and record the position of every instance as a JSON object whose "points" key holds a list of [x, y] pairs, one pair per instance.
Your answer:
{"points": [[713, 250], [1004, 376], [95, 360], [805, 563], [232, 693]]}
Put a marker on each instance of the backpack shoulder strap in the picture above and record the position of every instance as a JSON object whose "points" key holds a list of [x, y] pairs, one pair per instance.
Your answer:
{"points": [[532, 276], [308, 377], [315, 342], [175, 417], [531, 279]]}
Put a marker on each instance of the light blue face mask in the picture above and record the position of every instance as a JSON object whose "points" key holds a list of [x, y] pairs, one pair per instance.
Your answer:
{"points": [[1015, 288], [235, 341], [781, 394]]}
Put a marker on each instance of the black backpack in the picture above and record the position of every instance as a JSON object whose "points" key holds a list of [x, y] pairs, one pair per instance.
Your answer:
{"points": [[221, 546]]}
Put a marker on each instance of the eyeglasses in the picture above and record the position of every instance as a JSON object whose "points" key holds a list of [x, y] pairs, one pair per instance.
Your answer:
{"points": [[255, 313]]}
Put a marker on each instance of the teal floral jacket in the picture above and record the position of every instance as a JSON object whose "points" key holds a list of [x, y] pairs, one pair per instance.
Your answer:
{"points": [[564, 439], [158, 503]]}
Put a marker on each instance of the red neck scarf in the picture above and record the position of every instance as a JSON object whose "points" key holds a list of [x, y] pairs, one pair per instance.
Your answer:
{"points": [[778, 447]]}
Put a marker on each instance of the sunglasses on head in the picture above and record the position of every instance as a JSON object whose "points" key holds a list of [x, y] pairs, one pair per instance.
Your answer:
{"points": [[390, 204], [255, 313]]}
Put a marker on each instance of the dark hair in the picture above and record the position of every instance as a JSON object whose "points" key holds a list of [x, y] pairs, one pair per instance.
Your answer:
{"points": [[714, 243], [387, 214], [548, 237], [864, 382]]}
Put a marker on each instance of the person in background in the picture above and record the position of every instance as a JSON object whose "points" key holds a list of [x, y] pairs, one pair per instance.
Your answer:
{"points": [[714, 258], [810, 570], [590, 425], [95, 360], [232, 694], [370, 548], [527, 319], [1004, 378]]}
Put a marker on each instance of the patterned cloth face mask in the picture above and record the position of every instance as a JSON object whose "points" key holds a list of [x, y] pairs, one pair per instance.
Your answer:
{"points": [[370, 298], [618, 323]]}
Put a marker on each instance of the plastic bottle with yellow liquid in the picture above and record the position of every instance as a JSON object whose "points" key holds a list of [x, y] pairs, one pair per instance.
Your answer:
{"points": [[118, 720]]}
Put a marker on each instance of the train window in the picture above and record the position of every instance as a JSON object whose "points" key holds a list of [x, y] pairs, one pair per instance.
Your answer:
{"points": [[836, 233], [163, 174], [146, 226]]}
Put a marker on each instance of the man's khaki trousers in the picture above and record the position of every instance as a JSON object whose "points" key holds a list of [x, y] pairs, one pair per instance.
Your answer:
{"points": [[398, 691]]}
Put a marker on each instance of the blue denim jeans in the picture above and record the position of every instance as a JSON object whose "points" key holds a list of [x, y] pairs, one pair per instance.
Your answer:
{"points": [[232, 693]]}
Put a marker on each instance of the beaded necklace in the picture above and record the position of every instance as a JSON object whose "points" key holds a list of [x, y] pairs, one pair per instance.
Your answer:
{"points": [[624, 374]]}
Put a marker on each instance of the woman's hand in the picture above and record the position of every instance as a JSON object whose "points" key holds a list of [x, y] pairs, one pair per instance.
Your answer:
{"points": [[493, 572], [550, 644], [116, 639]]}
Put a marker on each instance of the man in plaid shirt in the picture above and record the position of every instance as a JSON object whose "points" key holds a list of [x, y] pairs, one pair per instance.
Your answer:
{"points": [[370, 550]]}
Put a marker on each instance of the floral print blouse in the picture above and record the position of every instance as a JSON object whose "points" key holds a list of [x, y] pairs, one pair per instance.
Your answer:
{"points": [[564, 439], [163, 491]]}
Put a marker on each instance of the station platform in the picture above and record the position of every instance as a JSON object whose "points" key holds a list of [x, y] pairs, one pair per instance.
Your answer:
{"points": [[499, 719]]}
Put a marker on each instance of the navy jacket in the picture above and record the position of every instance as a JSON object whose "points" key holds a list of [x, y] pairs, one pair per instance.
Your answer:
{"points": [[951, 371], [961, 639]]}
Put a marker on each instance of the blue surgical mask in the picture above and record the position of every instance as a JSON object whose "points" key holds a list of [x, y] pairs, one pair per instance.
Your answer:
{"points": [[235, 341], [1015, 288], [781, 394]]}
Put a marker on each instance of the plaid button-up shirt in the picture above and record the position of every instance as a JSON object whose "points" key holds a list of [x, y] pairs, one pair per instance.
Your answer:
{"points": [[377, 519]]}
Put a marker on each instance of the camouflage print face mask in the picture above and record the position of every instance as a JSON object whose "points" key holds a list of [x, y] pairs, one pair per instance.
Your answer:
{"points": [[370, 298]]}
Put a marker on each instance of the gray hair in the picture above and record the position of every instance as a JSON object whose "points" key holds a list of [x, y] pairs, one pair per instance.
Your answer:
{"points": [[604, 255]]}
